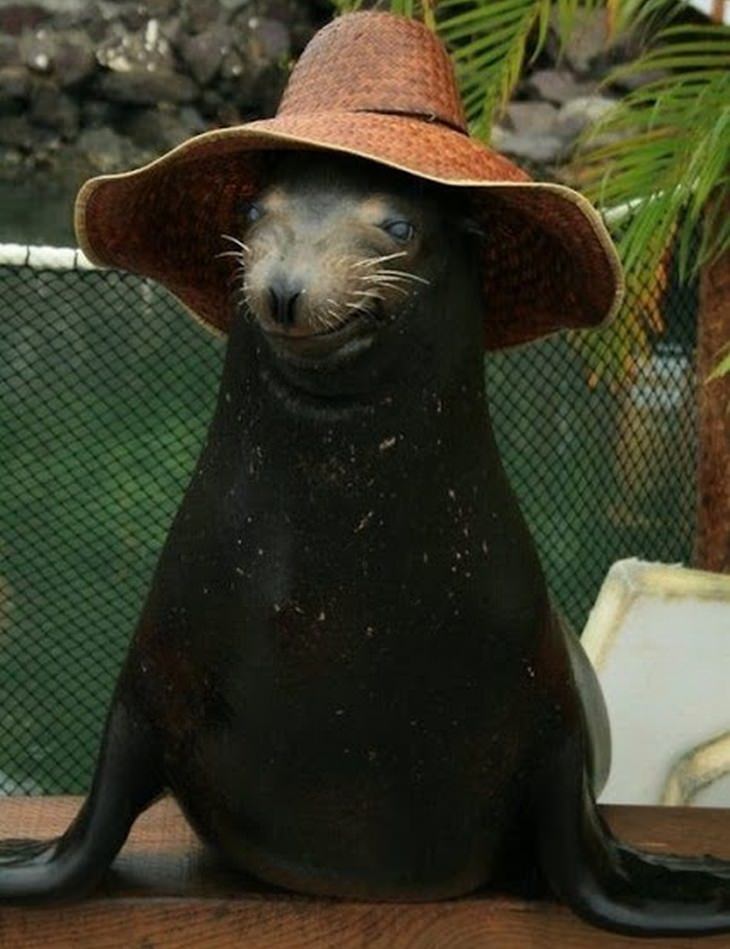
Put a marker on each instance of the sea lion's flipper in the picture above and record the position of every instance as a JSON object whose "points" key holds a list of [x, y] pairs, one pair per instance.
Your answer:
{"points": [[612, 885], [126, 781]]}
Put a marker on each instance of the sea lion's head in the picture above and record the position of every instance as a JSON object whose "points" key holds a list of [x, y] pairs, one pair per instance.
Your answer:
{"points": [[339, 254]]}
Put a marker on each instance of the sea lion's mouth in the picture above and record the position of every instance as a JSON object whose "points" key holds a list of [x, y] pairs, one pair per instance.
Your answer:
{"points": [[357, 333]]}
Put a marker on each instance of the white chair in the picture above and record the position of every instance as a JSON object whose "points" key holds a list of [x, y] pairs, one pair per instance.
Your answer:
{"points": [[659, 639]]}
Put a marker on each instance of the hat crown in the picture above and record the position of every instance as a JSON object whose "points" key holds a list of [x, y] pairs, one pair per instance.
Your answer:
{"points": [[376, 62]]}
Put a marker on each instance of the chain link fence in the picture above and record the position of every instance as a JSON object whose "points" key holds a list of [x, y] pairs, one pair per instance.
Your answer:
{"points": [[106, 389]]}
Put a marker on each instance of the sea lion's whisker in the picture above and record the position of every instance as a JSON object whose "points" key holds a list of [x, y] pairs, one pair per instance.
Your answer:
{"points": [[244, 247], [238, 274], [384, 281], [383, 275], [338, 319], [400, 253], [374, 276], [369, 293], [332, 308], [243, 292], [405, 275], [398, 289], [388, 284], [372, 261], [356, 306], [238, 254]]}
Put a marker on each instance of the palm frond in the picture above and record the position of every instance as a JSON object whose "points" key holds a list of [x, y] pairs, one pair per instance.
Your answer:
{"points": [[665, 151], [666, 146], [490, 41], [488, 49], [347, 6], [641, 16]]}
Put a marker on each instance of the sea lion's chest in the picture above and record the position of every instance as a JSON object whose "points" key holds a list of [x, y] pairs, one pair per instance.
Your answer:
{"points": [[345, 665], [296, 597], [338, 544]]}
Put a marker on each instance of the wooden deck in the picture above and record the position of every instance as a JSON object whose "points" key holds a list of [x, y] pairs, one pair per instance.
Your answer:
{"points": [[163, 891]]}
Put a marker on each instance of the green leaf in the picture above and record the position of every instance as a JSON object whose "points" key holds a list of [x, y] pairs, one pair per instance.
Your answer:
{"points": [[721, 369]]}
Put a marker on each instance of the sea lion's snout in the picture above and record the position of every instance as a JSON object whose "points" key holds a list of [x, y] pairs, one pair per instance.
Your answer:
{"points": [[305, 284], [283, 299], [311, 315]]}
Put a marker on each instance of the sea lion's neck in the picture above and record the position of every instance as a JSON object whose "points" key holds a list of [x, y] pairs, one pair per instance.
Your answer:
{"points": [[424, 393], [409, 465]]}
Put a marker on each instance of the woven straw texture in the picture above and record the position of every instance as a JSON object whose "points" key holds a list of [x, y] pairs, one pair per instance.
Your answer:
{"points": [[383, 88], [397, 67]]}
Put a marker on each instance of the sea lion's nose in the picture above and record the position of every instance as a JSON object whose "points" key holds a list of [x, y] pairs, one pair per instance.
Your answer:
{"points": [[283, 297]]}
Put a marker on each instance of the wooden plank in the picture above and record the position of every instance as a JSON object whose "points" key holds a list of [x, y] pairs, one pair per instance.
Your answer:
{"points": [[164, 891]]}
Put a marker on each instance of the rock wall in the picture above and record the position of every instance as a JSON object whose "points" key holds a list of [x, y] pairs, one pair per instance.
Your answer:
{"points": [[90, 86], [96, 86]]}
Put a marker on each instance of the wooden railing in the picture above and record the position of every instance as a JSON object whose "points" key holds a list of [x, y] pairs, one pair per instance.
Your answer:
{"points": [[164, 891]]}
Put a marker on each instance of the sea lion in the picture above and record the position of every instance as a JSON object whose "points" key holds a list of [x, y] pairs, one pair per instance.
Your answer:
{"points": [[347, 670]]}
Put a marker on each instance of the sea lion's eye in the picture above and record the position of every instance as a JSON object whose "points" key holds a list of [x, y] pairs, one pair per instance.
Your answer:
{"points": [[252, 212], [402, 231]]}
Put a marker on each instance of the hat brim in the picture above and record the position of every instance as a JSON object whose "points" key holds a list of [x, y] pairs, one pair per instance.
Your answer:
{"points": [[549, 263]]}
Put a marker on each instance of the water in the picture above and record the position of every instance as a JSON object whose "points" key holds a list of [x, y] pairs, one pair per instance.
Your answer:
{"points": [[38, 211]]}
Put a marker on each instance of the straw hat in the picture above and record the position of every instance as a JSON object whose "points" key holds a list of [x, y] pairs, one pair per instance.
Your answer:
{"points": [[381, 87]]}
